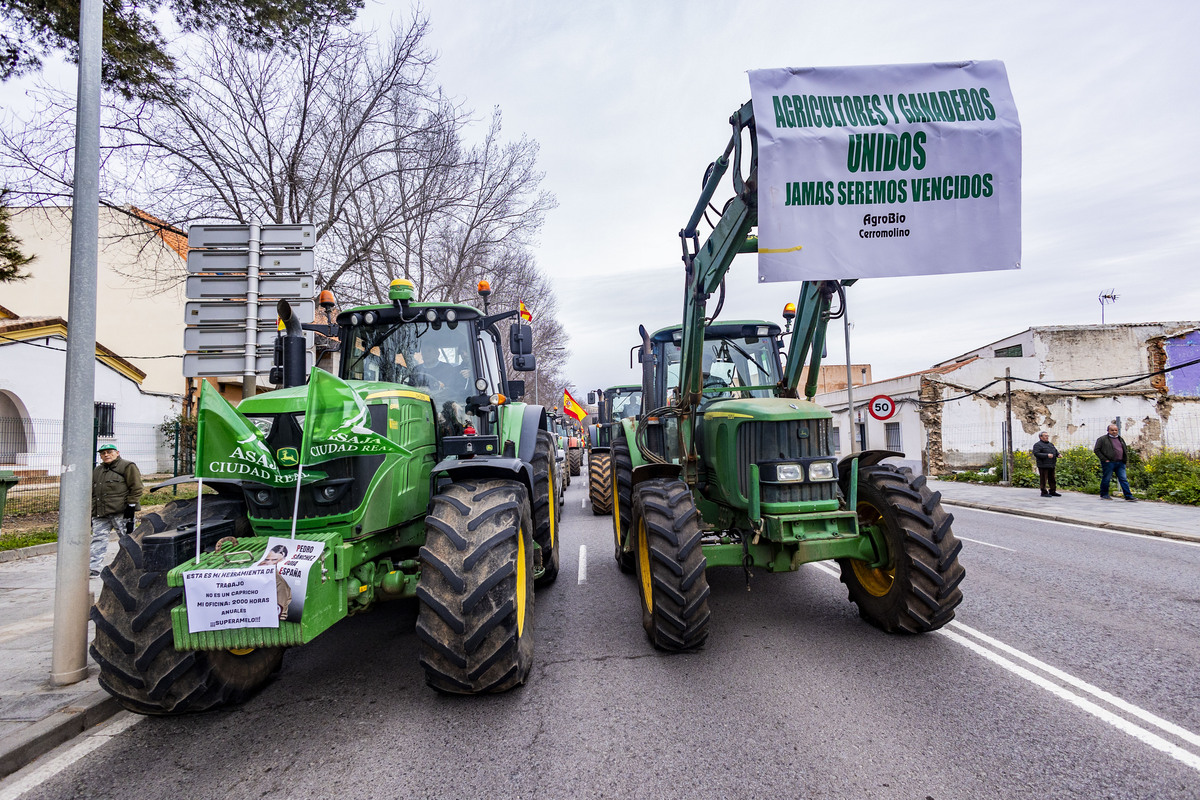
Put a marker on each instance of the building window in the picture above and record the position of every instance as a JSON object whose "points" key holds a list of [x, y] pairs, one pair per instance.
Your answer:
{"points": [[1013, 351], [835, 433], [892, 429], [105, 415]]}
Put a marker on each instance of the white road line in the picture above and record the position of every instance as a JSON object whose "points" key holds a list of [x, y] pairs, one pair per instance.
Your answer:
{"points": [[1128, 708], [583, 563], [987, 544], [1120, 723], [93, 739], [1086, 527], [583, 502], [1157, 742]]}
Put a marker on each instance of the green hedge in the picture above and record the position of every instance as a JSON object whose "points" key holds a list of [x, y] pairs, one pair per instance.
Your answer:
{"points": [[1170, 476]]}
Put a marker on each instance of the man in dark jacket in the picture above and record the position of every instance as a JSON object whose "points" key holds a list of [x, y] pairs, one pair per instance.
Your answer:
{"points": [[116, 493], [1113, 453], [1046, 456]]}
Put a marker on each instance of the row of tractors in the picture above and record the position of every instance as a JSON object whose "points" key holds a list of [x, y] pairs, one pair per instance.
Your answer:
{"points": [[714, 459]]}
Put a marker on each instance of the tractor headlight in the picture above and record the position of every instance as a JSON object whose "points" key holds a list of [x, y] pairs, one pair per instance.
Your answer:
{"points": [[262, 497], [329, 492], [264, 424], [820, 471], [786, 473]]}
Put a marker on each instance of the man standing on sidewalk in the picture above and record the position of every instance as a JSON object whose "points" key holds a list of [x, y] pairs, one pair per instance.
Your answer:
{"points": [[1047, 459], [1113, 453], [116, 494]]}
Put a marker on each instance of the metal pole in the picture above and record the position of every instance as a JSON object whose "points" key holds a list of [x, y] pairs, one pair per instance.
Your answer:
{"points": [[866, 418], [68, 660], [1008, 450], [849, 383], [249, 371]]}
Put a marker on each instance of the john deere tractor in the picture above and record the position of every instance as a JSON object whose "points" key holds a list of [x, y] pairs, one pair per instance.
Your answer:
{"points": [[612, 404], [464, 520], [730, 466]]}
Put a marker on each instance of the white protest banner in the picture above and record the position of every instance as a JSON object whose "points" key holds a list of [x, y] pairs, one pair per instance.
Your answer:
{"points": [[293, 558], [868, 172], [231, 598]]}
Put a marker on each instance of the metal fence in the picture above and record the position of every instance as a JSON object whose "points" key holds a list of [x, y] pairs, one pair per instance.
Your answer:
{"points": [[32, 450]]}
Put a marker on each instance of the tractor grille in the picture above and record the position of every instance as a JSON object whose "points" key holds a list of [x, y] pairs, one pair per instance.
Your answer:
{"points": [[354, 474], [770, 441]]}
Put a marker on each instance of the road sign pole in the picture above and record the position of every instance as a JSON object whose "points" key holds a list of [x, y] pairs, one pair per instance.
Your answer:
{"points": [[249, 375], [854, 448]]}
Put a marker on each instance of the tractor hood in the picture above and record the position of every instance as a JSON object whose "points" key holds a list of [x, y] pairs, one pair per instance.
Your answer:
{"points": [[765, 409]]}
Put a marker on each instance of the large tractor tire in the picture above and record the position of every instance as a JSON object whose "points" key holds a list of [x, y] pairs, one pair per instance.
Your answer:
{"points": [[671, 565], [547, 507], [600, 482], [475, 594], [918, 588], [575, 460], [134, 646], [622, 501]]}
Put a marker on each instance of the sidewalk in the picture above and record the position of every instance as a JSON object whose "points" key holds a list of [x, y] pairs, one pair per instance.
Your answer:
{"points": [[36, 717]]}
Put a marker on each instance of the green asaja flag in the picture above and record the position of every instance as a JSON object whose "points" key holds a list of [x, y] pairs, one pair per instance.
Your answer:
{"points": [[229, 446], [337, 423]]}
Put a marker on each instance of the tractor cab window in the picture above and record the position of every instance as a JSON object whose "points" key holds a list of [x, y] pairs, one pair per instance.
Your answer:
{"points": [[728, 363], [626, 404], [490, 348], [434, 358]]}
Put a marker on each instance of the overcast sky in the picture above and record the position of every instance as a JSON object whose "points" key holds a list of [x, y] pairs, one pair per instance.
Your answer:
{"points": [[630, 102]]}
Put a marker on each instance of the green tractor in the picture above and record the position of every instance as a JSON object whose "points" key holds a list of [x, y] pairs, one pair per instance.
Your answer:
{"points": [[730, 466], [464, 520], [612, 404]]}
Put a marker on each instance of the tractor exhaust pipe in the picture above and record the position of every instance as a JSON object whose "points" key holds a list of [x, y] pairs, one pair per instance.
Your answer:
{"points": [[289, 348]]}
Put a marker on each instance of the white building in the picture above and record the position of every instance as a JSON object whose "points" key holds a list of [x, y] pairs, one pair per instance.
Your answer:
{"points": [[32, 391], [1069, 380]]}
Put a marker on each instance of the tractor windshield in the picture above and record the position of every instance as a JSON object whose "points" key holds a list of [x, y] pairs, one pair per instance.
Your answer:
{"points": [[435, 358], [626, 403], [731, 362]]}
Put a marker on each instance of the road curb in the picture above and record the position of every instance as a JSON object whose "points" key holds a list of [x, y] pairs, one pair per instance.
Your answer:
{"points": [[1112, 526], [28, 552], [22, 747]]}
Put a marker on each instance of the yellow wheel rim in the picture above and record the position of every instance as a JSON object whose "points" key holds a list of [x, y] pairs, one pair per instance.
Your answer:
{"points": [[643, 548], [875, 581], [553, 527], [616, 510], [242, 651], [521, 578]]}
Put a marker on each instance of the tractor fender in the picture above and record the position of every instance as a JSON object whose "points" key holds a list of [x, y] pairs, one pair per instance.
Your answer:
{"points": [[533, 419], [486, 467], [647, 472], [866, 458]]}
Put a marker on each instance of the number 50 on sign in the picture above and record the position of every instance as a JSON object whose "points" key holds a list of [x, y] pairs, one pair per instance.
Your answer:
{"points": [[882, 407]]}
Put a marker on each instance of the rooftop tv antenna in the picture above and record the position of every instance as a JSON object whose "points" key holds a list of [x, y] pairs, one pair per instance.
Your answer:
{"points": [[1107, 297]]}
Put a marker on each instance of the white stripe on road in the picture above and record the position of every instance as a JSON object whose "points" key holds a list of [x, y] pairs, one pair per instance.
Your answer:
{"points": [[583, 502], [987, 544], [583, 563], [100, 735], [1086, 527], [1120, 723]]}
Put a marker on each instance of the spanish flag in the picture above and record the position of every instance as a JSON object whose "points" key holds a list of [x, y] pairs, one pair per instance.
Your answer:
{"points": [[571, 407], [525, 315]]}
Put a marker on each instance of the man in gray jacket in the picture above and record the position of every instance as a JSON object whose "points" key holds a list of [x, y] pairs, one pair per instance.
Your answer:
{"points": [[116, 494], [1113, 453]]}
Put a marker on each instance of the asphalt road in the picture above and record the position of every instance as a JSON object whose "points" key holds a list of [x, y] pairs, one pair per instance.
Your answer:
{"points": [[793, 696]]}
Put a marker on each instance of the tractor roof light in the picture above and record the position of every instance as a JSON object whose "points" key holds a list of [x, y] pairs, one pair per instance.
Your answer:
{"points": [[325, 300], [789, 311], [485, 288]]}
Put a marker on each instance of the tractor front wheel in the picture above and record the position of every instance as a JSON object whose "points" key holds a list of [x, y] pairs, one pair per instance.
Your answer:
{"points": [[622, 501], [547, 504], [917, 588], [475, 618], [134, 645], [600, 482], [574, 460], [671, 565]]}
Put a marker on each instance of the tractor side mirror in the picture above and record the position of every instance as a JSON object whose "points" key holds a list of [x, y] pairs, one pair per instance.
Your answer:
{"points": [[520, 340], [516, 389], [524, 363], [591, 398]]}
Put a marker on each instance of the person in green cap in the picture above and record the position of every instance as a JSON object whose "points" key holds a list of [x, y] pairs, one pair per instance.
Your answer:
{"points": [[116, 493]]}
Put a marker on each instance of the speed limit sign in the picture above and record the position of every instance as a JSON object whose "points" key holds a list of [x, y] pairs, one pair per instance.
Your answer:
{"points": [[882, 407]]}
